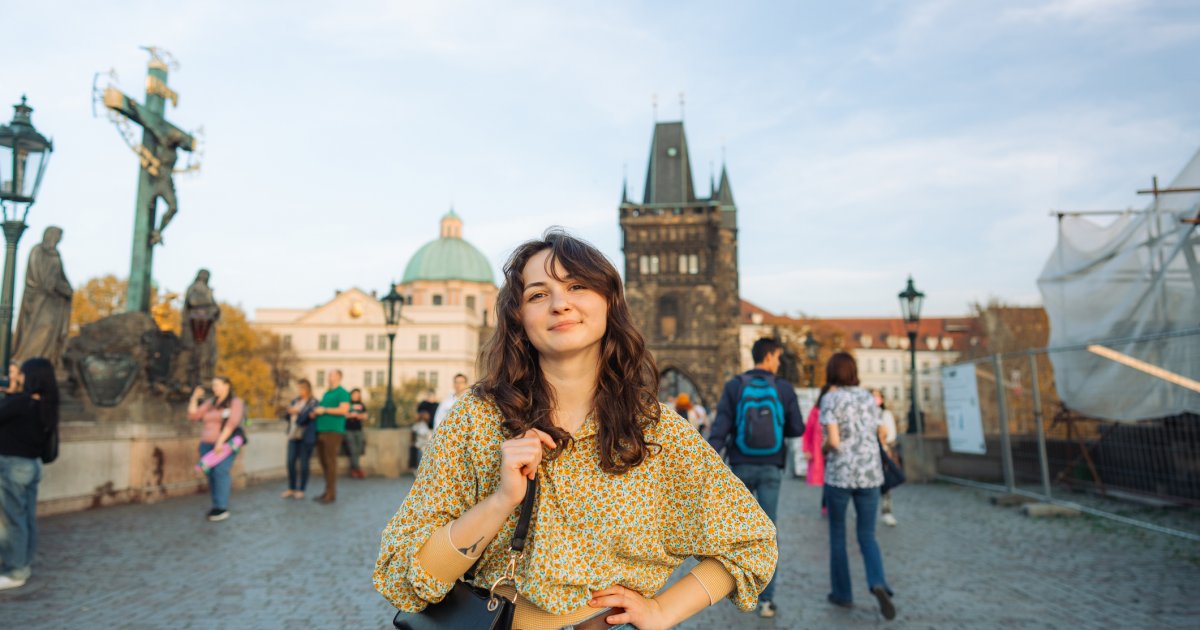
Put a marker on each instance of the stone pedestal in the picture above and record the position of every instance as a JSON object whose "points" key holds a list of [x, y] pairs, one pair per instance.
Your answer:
{"points": [[387, 451]]}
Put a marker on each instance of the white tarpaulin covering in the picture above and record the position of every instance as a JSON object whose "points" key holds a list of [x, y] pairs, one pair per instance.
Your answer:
{"points": [[1137, 275]]}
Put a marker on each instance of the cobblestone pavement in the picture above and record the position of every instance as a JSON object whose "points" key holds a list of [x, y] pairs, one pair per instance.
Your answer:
{"points": [[954, 561]]}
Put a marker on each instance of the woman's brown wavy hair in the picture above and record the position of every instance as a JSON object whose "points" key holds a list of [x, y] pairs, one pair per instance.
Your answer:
{"points": [[627, 389]]}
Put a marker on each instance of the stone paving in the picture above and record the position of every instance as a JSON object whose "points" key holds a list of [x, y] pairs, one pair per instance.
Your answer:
{"points": [[954, 561]]}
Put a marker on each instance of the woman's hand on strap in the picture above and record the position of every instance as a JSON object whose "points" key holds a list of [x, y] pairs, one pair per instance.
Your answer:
{"points": [[519, 460], [644, 613]]}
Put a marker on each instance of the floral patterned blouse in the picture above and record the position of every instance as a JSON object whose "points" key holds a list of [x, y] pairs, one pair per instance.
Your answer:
{"points": [[856, 463], [590, 529]]}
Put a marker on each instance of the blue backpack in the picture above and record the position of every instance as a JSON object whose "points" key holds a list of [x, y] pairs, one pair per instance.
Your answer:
{"points": [[760, 418]]}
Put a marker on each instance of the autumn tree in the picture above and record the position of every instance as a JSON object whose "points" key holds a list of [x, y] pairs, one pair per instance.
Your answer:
{"points": [[255, 361], [105, 295], [406, 396]]}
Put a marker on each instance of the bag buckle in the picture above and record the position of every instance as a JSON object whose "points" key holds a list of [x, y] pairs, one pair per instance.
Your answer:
{"points": [[509, 575]]}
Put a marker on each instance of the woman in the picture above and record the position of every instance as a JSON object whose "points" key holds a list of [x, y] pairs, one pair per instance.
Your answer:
{"points": [[853, 472], [422, 430], [221, 415], [26, 418], [889, 443], [627, 490], [355, 442], [302, 437], [811, 444]]}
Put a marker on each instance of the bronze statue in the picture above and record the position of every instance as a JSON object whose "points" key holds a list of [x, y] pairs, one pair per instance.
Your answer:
{"points": [[200, 315], [162, 182], [46, 306]]}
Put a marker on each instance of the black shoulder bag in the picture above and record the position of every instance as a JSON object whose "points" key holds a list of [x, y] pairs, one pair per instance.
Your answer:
{"points": [[467, 606], [893, 474]]}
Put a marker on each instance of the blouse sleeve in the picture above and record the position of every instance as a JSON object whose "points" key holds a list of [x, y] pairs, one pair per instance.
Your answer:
{"points": [[711, 515], [198, 414], [417, 565]]}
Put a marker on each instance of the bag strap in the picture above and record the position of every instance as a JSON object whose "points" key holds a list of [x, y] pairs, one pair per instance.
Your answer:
{"points": [[522, 530]]}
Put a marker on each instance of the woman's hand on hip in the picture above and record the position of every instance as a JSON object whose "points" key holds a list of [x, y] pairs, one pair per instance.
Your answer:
{"points": [[519, 460], [644, 613]]}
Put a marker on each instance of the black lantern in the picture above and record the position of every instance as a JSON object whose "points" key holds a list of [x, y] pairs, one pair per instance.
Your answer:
{"points": [[23, 163], [812, 350], [910, 304], [24, 154], [910, 308], [393, 302]]}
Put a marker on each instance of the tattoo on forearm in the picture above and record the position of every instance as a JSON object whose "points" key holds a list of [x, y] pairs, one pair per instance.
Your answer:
{"points": [[467, 551]]}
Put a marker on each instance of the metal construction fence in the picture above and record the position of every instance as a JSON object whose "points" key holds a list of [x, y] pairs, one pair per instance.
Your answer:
{"points": [[1035, 445]]}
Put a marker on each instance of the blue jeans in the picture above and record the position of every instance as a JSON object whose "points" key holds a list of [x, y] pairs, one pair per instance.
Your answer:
{"points": [[763, 482], [298, 455], [220, 478], [19, 477], [866, 503]]}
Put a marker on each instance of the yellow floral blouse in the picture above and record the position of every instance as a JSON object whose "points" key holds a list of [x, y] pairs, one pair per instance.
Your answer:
{"points": [[590, 529]]}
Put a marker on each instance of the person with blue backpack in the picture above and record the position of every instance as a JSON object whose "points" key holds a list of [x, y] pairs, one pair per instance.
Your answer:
{"points": [[757, 412]]}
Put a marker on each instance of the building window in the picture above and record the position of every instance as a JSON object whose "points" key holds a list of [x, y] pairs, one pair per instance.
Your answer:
{"points": [[437, 299], [668, 317], [367, 377], [423, 342], [323, 342], [421, 378], [925, 393], [644, 265], [333, 341], [435, 342], [883, 365], [433, 379], [381, 343], [925, 367], [470, 302], [895, 393], [896, 364], [370, 342], [693, 264], [683, 263], [287, 342], [321, 377], [654, 265], [379, 378]]}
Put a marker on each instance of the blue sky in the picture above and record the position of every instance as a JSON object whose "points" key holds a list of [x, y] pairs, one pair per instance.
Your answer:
{"points": [[864, 140]]}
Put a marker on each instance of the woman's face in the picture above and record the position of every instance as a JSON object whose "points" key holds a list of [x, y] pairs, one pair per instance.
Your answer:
{"points": [[560, 318], [220, 388], [356, 396]]}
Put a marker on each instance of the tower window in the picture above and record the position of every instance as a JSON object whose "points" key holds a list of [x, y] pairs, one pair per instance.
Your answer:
{"points": [[668, 317]]}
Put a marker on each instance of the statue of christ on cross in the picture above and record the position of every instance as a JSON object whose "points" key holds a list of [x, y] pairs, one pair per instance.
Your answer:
{"points": [[158, 152]]}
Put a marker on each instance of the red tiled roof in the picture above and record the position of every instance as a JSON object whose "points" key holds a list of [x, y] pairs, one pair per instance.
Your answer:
{"points": [[878, 329]]}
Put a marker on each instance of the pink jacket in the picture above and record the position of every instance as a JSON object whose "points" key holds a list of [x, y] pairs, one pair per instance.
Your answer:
{"points": [[811, 443]]}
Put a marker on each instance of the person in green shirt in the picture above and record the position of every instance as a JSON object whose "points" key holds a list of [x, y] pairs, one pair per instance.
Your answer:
{"points": [[331, 426]]}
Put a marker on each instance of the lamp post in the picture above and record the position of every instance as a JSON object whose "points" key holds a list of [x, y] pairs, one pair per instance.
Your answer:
{"points": [[392, 303], [20, 177], [910, 308], [812, 349]]}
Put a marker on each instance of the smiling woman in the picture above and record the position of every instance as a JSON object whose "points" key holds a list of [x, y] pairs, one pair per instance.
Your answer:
{"points": [[626, 489]]}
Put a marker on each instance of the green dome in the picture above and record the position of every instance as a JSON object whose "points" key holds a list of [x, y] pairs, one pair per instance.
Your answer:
{"points": [[448, 258]]}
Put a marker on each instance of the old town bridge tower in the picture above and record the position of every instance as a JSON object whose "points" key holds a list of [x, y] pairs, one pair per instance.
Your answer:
{"points": [[681, 273]]}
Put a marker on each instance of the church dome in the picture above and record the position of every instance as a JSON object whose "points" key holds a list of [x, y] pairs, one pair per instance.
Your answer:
{"points": [[449, 257]]}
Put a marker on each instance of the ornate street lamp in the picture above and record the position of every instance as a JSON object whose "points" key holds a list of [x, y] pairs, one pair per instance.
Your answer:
{"points": [[392, 303], [812, 349], [910, 308], [24, 154]]}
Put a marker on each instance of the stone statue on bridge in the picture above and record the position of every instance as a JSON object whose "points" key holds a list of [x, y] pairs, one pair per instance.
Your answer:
{"points": [[200, 315], [46, 305]]}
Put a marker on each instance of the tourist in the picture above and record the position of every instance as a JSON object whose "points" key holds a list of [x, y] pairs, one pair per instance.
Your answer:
{"points": [[355, 442], [422, 430], [429, 405], [755, 414], [14, 379], [811, 444], [27, 418], [853, 473], [889, 444], [330, 415], [447, 405], [626, 489], [222, 416], [302, 437]]}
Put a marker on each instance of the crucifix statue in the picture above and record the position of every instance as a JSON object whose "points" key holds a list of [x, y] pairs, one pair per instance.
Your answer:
{"points": [[158, 153]]}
